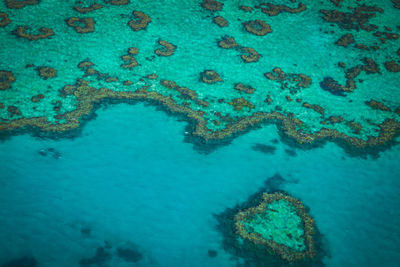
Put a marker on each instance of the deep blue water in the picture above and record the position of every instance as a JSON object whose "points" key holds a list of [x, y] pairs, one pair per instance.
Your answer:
{"points": [[130, 182]]}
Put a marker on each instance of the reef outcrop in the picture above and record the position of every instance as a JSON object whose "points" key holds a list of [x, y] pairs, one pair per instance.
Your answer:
{"points": [[6, 78], [281, 224], [140, 21], [257, 27], [81, 25]]}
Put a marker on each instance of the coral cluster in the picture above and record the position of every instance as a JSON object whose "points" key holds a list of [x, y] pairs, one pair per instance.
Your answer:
{"points": [[81, 25], [140, 21], [281, 223]]}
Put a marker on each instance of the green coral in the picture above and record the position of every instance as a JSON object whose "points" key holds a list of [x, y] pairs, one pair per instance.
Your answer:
{"points": [[279, 223]]}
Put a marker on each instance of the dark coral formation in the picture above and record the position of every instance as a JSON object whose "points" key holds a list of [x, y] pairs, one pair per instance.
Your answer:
{"points": [[240, 103], [285, 252], [37, 98], [14, 111], [396, 3], [167, 50], [220, 21], [46, 72], [227, 43], [378, 105], [210, 76], [88, 9], [119, 2], [185, 93], [81, 25], [129, 58], [20, 3], [140, 21], [246, 8], [257, 27], [21, 32], [274, 10], [392, 66], [6, 78], [315, 107], [353, 21], [4, 19], [244, 88], [212, 5], [292, 81], [252, 55], [266, 149], [331, 85], [345, 40]]}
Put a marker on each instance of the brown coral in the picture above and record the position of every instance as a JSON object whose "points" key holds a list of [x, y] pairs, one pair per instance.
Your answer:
{"points": [[392, 66], [6, 78], [81, 25], [345, 40], [45, 33], [20, 3], [212, 5], [377, 105], [140, 21], [240, 103], [274, 10], [244, 88], [220, 21], [4, 19], [88, 9], [315, 107], [257, 27], [252, 55], [46, 72], [167, 50], [210, 76], [227, 42], [287, 254]]}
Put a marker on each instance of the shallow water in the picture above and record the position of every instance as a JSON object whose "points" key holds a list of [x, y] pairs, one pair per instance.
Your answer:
{"points": [[134, 176]]}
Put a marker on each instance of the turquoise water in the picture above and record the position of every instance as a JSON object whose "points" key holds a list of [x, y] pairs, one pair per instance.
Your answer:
{"points": [[130, 180], [90, 177]]}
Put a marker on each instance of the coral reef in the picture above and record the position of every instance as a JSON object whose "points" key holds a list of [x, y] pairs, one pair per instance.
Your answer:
{"points": [[246, 8], [345, 40], [20, 3], [81, 25], [6, 78], [252, 55], [239, 103], [212, 5], [129, 58], [119, 2], [88, 9], [140, 21], [281, 223], [315, 107], [392, 66], [227, 42], [244, 88], [274, 10], [46, 72], [167, 50], [257, 27], [353, 21], [21, 32], [377, 105], [210, 76], [220, 21], [292, 81], [4, 19]]}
